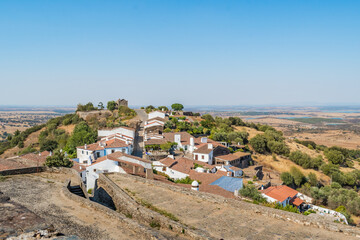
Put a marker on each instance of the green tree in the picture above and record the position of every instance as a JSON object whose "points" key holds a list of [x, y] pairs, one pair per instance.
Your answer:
{"points": [[334, 156], [48, 145], [111, 105], [82, 134], [167, 146], [161, 108], [312, 179], [58, 160], [177, 106], [250, 191], [287, 178], [278, 148], [329, 169], [101, 105], [298, 176], [259, 143]]}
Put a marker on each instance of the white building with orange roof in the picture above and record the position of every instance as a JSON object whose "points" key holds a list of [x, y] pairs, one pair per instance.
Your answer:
{"points": [[116, 162], [283, 195], [114, 143]]}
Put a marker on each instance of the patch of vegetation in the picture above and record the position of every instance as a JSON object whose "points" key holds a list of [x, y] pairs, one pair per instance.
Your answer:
{"points": [[155, 224], [85, 108], [58, 160], [186, 180], [158, 210], [3, 178], [317, 120]]}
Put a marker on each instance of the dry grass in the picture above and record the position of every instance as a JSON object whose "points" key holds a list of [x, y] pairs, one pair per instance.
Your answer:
{"points": [[330, 138], [284, 165], [69, 128], [252, 132], [32, 139]]}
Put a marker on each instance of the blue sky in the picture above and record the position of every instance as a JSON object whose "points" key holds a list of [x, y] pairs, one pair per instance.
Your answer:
{"points": [[193, 52]]}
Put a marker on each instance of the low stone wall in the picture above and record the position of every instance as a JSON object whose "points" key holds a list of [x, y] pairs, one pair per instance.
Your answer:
{"points": [[18, 171], [132, 225], [314, 220], [127, 205], [74, 173]]}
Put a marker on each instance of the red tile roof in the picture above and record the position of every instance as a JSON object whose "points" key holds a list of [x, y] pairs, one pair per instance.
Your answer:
{"points": [[297, 201], [113, 143], [280, 193]]}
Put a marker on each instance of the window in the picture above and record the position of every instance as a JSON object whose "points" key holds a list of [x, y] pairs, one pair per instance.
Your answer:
{"points": [[202, 157], [82, 152], [87, 153], [85, 162], [123, 150], [105, 171], [164, 169], [94, 169], [112, 150], [97, 154]]}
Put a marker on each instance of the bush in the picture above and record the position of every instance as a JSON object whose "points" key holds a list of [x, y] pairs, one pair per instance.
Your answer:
{"points": [[334, 156], [251, 192], [58, 160], [259, 143], [287, 178]]}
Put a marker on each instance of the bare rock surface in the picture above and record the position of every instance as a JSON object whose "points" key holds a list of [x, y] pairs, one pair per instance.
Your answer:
{"points": [[41, 194]]}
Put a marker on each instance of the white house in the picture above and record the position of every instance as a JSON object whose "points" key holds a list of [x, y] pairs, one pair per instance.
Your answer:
{"points": [[115, 162], [125, 131], [283, 195], [230, 170], [204, 153], [90, 152], [156, 114]]}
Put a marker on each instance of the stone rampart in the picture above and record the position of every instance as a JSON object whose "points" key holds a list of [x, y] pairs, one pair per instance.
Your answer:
{"points": [[130, 224], [128, 206], [314, 220]]}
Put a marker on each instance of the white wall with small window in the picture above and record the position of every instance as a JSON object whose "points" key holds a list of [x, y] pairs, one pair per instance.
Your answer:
{"points": [[85, 156], [93, 171]]}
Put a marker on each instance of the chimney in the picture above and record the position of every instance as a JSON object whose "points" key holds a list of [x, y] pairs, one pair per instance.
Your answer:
{"points": [[171, 156], [50, 153], [85, 146], [204, 140], [177, 138], [192, 142], [210, 146], [127, 142]]}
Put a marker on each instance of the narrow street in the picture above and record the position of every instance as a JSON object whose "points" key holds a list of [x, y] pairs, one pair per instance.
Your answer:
{"points": [[139, 141]]}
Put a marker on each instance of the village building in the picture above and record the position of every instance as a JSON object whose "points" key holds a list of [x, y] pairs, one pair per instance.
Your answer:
{"points": [[283, 195], [155, 114], [205, 152], [231, 171], [238, 159], [126, 132], [121, 102], [229, 183], [88, 153], [116, 162], [175, 169]]}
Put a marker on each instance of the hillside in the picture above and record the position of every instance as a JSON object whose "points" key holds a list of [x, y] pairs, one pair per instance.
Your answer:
{"points": [[282, 164]]}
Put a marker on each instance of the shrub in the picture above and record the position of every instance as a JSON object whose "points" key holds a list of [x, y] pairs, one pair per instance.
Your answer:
{"points": [[155, 224], [251, 192], [58, 160]]}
